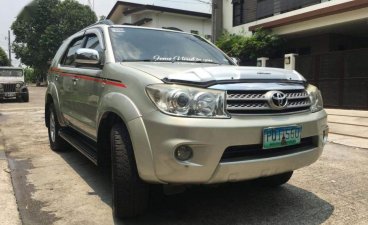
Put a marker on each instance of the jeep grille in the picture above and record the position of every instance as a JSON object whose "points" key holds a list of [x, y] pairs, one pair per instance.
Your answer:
{"points": [[9, 87]]}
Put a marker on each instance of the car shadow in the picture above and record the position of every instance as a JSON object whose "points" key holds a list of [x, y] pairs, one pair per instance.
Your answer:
{"points": [[10, 100], [235, 203]]}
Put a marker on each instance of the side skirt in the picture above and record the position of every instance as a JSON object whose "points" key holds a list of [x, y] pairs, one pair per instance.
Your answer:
{"points": [[83, 144]]}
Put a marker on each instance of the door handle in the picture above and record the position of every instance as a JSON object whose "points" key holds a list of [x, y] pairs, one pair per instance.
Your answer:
{"points": [[103, 82], [75, 80]]}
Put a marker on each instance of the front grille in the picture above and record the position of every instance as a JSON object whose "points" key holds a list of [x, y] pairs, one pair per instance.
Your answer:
{"points": [[255, 102], [9, 87], [249, 152]]}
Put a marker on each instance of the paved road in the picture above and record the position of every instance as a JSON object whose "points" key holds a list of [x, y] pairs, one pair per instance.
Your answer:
{"points": [[65, 188]]}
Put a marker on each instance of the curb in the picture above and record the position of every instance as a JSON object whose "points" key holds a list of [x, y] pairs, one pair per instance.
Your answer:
{"points": [[9, 213]]}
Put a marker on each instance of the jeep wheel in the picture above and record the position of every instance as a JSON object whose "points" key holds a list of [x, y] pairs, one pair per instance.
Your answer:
{"points": [[129, 192], [56, 142], [25, 98], [275, 180]]}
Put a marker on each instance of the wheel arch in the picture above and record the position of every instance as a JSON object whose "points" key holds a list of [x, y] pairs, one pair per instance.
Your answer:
{"points": [[141, 148], [52, 96]]}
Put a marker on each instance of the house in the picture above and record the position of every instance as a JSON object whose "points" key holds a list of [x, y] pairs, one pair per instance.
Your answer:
{"points": [[330, 38], [161, 17]]}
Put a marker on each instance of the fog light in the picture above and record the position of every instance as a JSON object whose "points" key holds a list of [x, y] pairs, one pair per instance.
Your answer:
{"points": [[183, 153], [325, 136]]}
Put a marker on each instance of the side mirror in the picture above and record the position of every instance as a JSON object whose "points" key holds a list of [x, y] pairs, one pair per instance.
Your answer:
{"points": [[87, 56], [236, 60]]}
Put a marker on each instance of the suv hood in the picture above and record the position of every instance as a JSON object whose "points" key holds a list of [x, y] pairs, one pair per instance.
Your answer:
{"points": [[210, 74], [4, 80]]}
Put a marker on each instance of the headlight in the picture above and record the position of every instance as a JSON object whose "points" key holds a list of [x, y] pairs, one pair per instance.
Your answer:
{"points": [[18, 85], [316, 98], [187, 101]]}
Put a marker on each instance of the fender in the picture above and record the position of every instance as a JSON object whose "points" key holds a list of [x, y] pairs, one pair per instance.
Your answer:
{"points": [[24, 89], [124, 107], [117, 103]]}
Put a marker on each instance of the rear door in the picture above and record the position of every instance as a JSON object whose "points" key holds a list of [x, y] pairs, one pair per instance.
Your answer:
{"points": [[67, 80]]}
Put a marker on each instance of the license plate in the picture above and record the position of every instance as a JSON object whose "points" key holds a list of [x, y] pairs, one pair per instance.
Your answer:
{"points": [[277, 137], [8, 95]]}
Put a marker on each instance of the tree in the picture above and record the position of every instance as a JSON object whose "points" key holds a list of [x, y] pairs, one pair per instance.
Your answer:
{"points": [[41, 27], [29, 75], [261, 43], [4, 61]]}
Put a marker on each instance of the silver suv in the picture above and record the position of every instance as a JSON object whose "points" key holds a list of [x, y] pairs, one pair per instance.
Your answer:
{"points": [[12, 84], [167, 107]]}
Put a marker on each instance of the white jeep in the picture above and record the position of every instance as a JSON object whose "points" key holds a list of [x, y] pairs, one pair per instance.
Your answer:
{"points": [[12, 84]]}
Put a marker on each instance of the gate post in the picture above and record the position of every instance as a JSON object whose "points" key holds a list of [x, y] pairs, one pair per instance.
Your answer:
{"points": [[262, 62], [289, 61]]}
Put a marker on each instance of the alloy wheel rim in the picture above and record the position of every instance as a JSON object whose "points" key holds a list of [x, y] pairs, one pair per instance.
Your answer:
{"points": [[52, 127]]}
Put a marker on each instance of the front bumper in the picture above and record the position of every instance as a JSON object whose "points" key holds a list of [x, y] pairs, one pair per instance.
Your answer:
{"points": [[209, 138]]}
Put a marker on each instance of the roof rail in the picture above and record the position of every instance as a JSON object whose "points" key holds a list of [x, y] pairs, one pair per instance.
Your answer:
{"points": [[105, 21], [172, 28]]}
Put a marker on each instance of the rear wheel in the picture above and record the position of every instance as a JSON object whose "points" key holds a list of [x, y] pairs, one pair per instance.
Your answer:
{"points": [[275, 180], [130, 193], [56, 142]]}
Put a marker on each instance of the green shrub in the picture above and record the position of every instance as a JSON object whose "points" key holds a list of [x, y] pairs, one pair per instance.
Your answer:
{"points": [[261, 43], [30, 75]]}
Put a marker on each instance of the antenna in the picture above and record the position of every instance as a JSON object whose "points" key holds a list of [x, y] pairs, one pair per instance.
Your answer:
{"points": [[91, 4]]}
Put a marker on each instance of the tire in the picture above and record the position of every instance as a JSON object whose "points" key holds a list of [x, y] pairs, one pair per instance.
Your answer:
{"points": [[130, 194], [275, 180], [25, 98], [56, 142]]}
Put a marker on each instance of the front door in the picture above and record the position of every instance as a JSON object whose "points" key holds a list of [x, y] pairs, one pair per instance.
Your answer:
{"points": [[89, 86]]}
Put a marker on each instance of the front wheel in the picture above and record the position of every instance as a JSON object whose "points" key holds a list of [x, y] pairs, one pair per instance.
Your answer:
{"points": [[25, 98], [130, 193], [56, 142], [275, 180]]}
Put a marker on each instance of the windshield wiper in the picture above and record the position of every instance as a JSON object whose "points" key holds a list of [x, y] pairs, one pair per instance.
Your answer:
{"points": [[199, 61], [206, 62], [172, 61]]}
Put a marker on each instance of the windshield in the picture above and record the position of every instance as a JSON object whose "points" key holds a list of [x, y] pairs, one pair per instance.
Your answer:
{"points": [[132, 44], [10, 73]]}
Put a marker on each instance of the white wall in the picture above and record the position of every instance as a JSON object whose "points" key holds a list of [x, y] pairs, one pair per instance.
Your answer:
{"points": [[183, 22], [301, 26]]}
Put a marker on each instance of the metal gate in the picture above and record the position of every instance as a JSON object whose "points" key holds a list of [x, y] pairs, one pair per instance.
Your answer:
{"points": [[341, 76]]}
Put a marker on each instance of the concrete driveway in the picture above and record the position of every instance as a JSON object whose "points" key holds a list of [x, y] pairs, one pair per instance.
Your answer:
{"points": [[65, 188]]}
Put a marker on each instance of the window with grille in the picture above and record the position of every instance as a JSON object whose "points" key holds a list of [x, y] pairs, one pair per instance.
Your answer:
{"points": [[238, 12]]}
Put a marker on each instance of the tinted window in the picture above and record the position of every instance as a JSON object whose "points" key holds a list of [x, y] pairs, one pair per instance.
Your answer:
{"points": [[69, 57], [136, 44]]}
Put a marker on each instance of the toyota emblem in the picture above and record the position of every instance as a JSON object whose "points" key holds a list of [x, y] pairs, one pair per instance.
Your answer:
{"points": [[277, 99]]}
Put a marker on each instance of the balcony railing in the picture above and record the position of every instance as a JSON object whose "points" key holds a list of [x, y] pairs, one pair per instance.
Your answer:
{"points": [[245, 11]]}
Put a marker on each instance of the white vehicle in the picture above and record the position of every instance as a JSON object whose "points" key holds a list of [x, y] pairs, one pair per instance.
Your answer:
{"points": [[12, 84]]}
